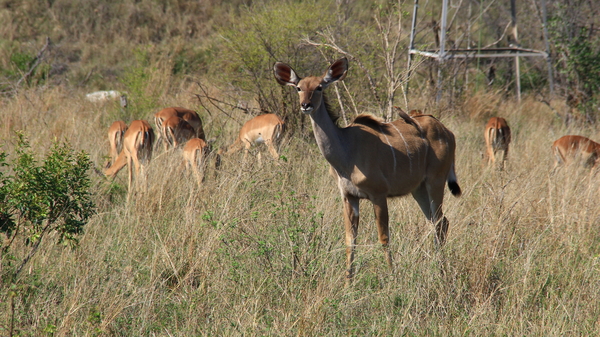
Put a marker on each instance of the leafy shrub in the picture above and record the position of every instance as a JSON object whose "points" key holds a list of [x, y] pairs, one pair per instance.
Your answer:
{"points": [[38, 199]]}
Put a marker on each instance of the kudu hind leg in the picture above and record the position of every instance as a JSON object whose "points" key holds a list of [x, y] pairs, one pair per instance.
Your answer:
{"points": [[382, 219], [351, 218], [430, 199]]}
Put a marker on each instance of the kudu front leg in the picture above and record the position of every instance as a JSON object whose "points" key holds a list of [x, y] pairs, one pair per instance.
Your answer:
{"points": [[351, 218]]}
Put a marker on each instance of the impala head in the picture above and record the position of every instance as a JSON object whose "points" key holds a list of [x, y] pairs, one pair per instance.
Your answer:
{"points": [[311, 88]]}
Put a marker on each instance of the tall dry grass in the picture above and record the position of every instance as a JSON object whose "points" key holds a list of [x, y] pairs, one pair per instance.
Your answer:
{"points": [[259, 250]]}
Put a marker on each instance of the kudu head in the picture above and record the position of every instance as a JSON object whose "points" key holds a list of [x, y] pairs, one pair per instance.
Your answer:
{"points": [[311, 88]]}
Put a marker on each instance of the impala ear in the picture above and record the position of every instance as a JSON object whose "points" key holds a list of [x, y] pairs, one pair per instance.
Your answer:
{"points": [[285, 75], [336, 72]]}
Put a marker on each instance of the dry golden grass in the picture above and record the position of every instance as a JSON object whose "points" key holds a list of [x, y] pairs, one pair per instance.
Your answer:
{"points": [[259, 250]]}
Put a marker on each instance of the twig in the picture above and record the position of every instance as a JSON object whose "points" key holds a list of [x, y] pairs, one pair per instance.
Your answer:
{"points": [[339, 97], [212, 101], [341, 51], [38, 60], [500, 39]]}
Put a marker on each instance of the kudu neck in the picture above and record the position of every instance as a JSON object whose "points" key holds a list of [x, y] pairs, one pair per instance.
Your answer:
{"points": [[330, 138]]}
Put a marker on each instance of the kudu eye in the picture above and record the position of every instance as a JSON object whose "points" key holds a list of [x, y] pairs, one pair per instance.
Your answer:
{"points": [[298, 88]]}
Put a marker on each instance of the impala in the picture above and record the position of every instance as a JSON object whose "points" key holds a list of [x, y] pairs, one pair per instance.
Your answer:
{"points": [[570, 148], [137, 150], [497, 137], [177, 131], [375, 160], [195, 153], [188, 115], [115, 140], [267, 129]]}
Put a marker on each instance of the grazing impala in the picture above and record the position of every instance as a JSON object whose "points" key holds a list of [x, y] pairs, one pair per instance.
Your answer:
{"points": [[497, 138], [187, 115], [137, 150], [570, 148], [374, 160], [115, 140], [177, 131], [267, 129], [195, 153]]}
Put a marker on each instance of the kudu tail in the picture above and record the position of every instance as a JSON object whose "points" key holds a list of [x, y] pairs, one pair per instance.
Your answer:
{"points": [[453, 183]]}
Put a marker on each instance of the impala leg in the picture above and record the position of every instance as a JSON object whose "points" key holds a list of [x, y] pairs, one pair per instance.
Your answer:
{"points": [[272, 149], [382, 219], [351, 217], [492, 156], [259, 158], [129, 175], [138, 169], [159, 137], [166, 140], [488, 150], [501, 164], [197, 166], [247, 146]]}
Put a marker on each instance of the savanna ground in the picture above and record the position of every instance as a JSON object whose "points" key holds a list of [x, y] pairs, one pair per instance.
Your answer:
{"points": [[259, 250]]}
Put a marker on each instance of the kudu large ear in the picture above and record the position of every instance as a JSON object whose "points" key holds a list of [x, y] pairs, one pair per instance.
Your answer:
{"points": [[285, 75], [336, 72]]}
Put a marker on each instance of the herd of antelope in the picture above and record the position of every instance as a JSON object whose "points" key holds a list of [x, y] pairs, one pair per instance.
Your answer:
{"points": [[370, 159], [566, 149], [178, 127]]}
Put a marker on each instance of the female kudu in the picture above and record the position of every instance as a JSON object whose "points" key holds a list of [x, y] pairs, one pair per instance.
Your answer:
{"points": [[375, 160]]}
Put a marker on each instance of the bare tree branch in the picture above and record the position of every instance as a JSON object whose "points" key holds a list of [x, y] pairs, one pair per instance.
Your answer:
{"points": [[332, 45], [38, 59]]}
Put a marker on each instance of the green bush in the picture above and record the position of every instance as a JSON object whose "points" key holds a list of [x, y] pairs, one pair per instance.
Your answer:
{"points": [[38, 199]]}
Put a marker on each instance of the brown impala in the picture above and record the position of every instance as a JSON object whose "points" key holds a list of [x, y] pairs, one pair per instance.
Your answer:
{"points": [[569, 148], [137, 150], [187, 115], [497, 138], [195, 152], [115, 140], [375, 160], [266, 129], [177, 131]]}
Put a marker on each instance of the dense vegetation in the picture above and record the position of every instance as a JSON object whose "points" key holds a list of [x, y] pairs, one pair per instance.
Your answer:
{"points": [[258, 249]]}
